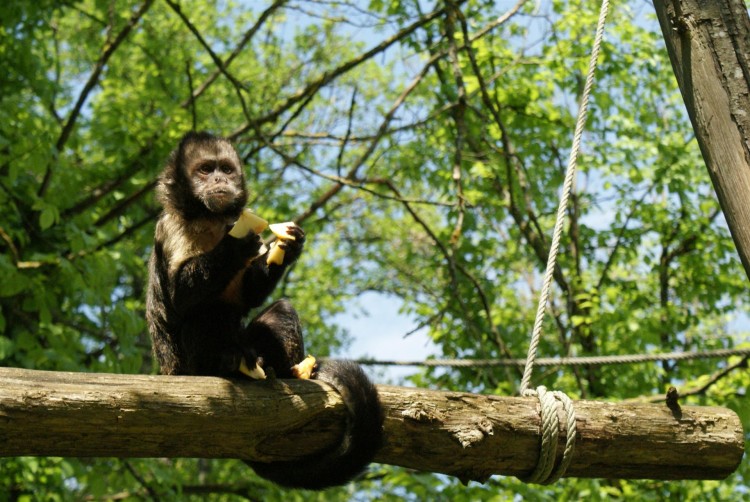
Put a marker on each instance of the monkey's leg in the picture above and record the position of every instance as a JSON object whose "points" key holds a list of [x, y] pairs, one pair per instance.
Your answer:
{"points": [[230, 360], [208, 344], [276, 336]]}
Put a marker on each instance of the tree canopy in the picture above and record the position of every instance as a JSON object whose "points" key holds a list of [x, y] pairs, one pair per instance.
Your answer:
{"points": [[422, 146]]}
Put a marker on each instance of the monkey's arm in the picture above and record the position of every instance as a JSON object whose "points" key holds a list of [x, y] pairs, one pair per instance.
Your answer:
{"points": [[205, 276], [261, 278]]}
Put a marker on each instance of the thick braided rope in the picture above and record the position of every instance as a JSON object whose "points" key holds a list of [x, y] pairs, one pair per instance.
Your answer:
{"points": [[549, 401], [550, 424], [543, 472], [570, 437]]}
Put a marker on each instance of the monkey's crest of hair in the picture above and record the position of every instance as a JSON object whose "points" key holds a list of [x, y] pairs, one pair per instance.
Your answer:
{"points": [[175, 190]]}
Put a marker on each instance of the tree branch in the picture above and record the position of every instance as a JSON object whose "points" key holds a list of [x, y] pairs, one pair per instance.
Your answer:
{"points": [[329, 76], [109, 49], [465, 435]]}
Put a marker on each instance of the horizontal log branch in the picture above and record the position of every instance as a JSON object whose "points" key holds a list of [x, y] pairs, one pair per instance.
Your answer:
{"points": [[466, 435]]}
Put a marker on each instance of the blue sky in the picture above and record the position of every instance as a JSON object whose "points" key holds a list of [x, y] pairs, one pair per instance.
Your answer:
{"points": [[379, 334]]}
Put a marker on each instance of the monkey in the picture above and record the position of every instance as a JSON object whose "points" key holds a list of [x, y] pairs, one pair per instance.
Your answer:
{"points": [[203, 283]]}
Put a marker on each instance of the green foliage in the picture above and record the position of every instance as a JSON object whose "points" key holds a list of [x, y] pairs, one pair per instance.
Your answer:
{"points": [[440, 193]]}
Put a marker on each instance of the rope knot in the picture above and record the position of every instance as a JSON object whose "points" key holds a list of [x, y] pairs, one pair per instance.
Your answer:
{"points": [[545, 472]]}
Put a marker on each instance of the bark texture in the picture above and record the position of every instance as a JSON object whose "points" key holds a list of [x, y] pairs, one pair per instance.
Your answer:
{"points": [[709, 45]]}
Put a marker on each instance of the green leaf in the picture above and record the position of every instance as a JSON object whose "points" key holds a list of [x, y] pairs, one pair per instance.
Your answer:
{"points": [[6, 344], [47, 218]]}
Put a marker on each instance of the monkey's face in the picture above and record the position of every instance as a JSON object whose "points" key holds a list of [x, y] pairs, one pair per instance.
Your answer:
{"points": [[214, 171]]}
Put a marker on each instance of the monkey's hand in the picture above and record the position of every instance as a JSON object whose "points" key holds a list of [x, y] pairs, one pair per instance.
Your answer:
{"points": [[249, 247], [293, 244]]}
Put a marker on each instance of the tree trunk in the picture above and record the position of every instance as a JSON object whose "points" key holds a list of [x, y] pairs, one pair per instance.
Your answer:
{"points": [[709, 45], [465, 435]]}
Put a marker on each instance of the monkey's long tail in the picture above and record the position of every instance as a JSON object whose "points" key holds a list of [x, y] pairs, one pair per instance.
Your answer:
{"points": [[362, 438]]}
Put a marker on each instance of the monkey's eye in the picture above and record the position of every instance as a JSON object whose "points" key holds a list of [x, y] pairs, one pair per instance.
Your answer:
{"points": [[226, 169], [205, 168]]}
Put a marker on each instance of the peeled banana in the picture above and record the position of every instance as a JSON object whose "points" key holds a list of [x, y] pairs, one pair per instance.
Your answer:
{"points": [[247, 222]]}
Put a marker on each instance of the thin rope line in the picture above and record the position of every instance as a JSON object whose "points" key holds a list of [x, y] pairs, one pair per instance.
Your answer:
{"points": [[564, 361], [545, 471], [569, 176]]}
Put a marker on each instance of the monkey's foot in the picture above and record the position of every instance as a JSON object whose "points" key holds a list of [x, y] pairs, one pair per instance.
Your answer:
{"points": [[305, 369], [256, 373]]}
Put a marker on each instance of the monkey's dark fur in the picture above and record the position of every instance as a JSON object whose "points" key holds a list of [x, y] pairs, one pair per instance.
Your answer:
{"points": [[203, 283]]}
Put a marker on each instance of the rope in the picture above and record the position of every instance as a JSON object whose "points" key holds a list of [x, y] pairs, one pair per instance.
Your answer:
{"points": [[564, 361], [570, 437], [548, 452], [569, 176], [549, 400]]}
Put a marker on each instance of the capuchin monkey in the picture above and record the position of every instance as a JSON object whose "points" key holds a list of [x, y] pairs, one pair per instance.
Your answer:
{"points": [[204, 282]]}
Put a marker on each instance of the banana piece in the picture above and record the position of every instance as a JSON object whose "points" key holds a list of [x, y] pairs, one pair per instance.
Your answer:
{"points": [[280, 230], [276, 254], [247, 222], [305, 369]]}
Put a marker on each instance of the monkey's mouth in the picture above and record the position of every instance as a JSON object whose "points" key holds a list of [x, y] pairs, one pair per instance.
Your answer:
{"points": [[219, 200], [221, 195], [219, 191]]}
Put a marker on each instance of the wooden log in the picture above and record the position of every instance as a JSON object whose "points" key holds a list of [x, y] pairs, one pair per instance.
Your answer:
{"points": [[709, 46], [466, 435]]}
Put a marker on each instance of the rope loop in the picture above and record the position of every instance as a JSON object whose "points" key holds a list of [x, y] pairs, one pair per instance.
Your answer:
{"points": [[550, 401]]}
